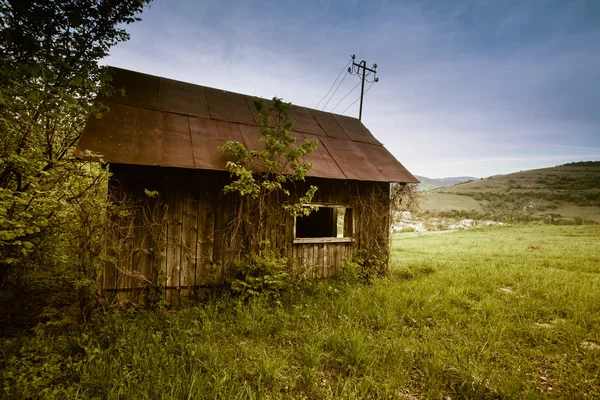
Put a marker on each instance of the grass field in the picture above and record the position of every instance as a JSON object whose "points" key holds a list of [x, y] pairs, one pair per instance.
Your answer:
{"points": [[438, 201], [510, 312]]}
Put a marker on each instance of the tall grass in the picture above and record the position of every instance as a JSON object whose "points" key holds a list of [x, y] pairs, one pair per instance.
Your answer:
{"points": [[498, 313]]}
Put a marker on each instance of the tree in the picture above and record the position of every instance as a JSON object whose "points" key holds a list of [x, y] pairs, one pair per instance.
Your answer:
{"points": [[262, 174], [262, 178], [49, 80]]}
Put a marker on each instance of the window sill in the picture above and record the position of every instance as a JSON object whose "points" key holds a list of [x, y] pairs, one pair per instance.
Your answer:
{"points": [[323, 240]]}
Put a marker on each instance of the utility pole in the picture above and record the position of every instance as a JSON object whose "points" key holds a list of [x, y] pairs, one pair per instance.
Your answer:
{"points": [[363, 65]]}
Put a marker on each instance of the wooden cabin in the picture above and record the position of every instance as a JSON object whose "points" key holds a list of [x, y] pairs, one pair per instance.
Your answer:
{"points": [[161, 144]]}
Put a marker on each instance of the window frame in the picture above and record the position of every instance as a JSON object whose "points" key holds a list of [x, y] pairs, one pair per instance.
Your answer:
{"points": [[314, 240]]}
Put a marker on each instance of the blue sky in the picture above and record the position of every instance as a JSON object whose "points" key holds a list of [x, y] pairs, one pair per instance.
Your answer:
{"points": [[466, 87]]}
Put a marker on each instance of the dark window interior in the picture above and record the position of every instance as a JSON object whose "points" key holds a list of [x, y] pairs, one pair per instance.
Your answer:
{"points": [[327, 221]]}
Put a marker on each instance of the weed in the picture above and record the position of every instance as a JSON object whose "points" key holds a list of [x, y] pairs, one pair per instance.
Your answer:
{"points": [[264, 274]]}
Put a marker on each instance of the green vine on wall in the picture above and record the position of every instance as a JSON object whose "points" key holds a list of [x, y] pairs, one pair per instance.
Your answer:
{"points": [[262, 179], [259, 173]]}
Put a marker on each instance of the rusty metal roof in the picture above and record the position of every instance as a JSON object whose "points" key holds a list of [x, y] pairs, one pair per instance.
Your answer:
{"points": [[169, 123]]}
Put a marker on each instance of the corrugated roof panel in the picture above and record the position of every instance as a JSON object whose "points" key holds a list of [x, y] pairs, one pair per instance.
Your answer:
{"points": [[141, 90], [207, 136], [177, 150], [251, 137], [126, 134], [176, 141], [227, 106], [196, 121], [324, 166], [390, 169], [329, 125], [174, 122], [183, 98], [253, 143], [304, 121], [252, 107], [355, 129], [302, 117], [351, 160]]}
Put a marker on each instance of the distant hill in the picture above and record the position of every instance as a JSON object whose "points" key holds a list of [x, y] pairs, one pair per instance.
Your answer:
{"points": [[563, 194], [433, 183]]}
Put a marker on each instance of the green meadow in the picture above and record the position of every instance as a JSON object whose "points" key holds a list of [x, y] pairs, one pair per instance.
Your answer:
{"points": [[507, 313], [565, 194]]}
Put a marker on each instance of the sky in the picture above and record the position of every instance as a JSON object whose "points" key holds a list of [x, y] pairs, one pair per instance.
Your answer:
{"points": [[466, 87]]}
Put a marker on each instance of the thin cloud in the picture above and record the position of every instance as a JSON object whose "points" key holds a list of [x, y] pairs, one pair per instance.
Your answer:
{"points": [[490, 84]]}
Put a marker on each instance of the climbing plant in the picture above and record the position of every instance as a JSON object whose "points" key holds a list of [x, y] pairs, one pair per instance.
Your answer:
{"points": [[262, 180]]}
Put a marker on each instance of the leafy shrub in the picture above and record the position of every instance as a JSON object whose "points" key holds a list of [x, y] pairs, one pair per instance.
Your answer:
{"points": [[582, 164], [350, 270], [363, 266], [46, 364], [263, 274]]}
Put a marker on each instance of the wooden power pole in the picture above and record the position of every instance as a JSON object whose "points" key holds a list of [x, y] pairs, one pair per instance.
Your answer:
{"points": [[353, 71]]}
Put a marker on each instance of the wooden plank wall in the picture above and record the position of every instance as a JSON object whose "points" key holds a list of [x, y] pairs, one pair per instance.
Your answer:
{"points": [[175, 239], [324, 259], [165, 240]]}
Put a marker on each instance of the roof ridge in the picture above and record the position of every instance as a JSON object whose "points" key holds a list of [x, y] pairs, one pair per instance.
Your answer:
{"points": [[223, 90]]}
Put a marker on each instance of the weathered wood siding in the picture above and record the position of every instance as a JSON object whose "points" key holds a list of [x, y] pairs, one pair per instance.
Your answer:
{"points": [[180, 236]]}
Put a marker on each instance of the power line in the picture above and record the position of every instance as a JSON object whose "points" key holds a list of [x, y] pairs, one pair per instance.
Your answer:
{"points": [[351, 90], [338, 77], [354, 102], [336, 89], [368, 81]]}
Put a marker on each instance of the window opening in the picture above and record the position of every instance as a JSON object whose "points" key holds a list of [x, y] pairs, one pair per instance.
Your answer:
{"points": [[330, 223]]}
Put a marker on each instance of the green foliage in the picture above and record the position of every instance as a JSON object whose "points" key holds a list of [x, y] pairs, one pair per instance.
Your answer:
{"points": [[262, 274], [582, 164], [258, 173], [51, 205], [363, 266], [350, 270], [262, 180]]}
